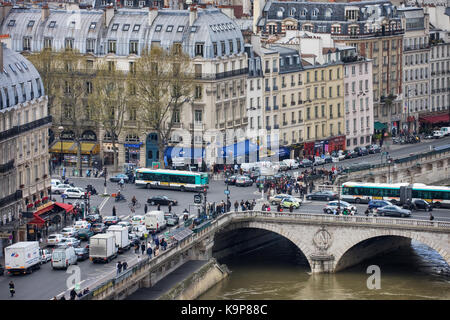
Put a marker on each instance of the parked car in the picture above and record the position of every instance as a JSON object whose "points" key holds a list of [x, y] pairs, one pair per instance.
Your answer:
{"points": [[230, 180], [373, 148], [283, 166], [322, 195], [395, 211], [172, 219], [306, 163], [438, 134], [350, 154], [71, 242], [110, 220], [118, 177], [333, 205], [126, 224], [318, 161], [45, 255], [374, 204], [55, 182], [253, 175], [85, 234], [276, 199], [69, 232], [243, 181], [361, 151], [419, 204], [94, 218], [287, 202], [82, 224], [54, 239], [99, 228], [60, 188], [162, 200], [82, 253], [328, 159]]}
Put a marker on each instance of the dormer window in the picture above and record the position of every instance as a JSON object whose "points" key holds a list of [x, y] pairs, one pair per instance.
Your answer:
{"points": [[180, 29], [18, 66], [315, 13], [12, 69], [194, 29], [72, 24], [115, 26], [292, 12], [93, 25], [24, 65], [126, 27], [52, 24], [11, 23], [328, 13], [169, 29], [30, 24], [280, 13], [304, 12], [158, 28], [136, 27]]}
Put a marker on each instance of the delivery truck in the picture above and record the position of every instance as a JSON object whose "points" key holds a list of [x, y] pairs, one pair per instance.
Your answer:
{"points": [[22, 257], [154, 221], [102, 247], [121, 234]]}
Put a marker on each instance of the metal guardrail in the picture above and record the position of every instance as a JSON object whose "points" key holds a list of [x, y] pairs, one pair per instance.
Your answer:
{"points": [[104, 284]]}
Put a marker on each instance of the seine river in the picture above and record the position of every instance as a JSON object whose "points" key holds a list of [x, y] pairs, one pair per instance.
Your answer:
{"points": [[280, 272]]}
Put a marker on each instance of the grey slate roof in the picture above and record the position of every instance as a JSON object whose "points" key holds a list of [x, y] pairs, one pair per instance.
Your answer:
{"points": [[17, 71]]}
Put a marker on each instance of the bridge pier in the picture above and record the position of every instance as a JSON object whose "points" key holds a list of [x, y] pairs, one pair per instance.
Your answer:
{"points": [[321, 262]]}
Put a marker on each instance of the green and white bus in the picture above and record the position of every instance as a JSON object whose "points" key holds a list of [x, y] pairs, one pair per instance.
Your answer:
{"points": [[171, 179], [363, 192]]}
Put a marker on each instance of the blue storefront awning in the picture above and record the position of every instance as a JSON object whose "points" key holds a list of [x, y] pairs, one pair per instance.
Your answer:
{"points": [[238, 149], [180, 152]]}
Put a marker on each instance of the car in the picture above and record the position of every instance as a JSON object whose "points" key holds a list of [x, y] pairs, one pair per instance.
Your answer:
{"points": [[419, 204], [55, 182], [134, 239], [276, 199], [54, 239], [393, 210], [45, 255], [171, 218], [60, 188], [139, 230], [318, 161], [85, 234], [284, 166], [243, 181], [287, 202], [119, 177], [292, 163], [110, 220], [71, 242], [428, 136], [374, 204], [82, 253], [162, 200], [137, 220], [94, 218], [373, 148], [99, 228], [350, 154], [230, 180], [333, 205], [125, 224], [322, 195], [437, 134], [328, 159], [361, 151], [253, 175], [69, 232], [82, 224], [305, 163]]}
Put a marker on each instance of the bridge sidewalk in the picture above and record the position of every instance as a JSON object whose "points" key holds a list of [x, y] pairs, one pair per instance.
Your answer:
{"points": [[171, 280]]}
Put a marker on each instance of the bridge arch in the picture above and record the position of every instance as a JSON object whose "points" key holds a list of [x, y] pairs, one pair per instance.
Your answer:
{"points": [[295, 238], [435, 242]]}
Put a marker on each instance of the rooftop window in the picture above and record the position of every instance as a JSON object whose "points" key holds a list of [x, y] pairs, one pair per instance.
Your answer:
{"points": [[126, 27], [30, 23], [158, 28], [24, 65], [194, 29], [52, 24], [11, 23], [169, 28], [18, 66], [180, 29], [115, 26], [5, 72], [136, 27], [12, 69], [93, 25]]}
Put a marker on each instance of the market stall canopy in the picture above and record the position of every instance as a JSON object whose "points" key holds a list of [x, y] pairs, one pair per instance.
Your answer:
{"points": [[181, 233], [379, 126]]}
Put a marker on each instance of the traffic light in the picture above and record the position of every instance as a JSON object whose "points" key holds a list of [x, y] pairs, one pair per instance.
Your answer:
{"points": [[205, 190]]}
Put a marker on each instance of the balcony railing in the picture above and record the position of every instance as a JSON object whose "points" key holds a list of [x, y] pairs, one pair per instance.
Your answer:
{"points": [[276, 126], [24, 128], [11, 198], [7, 166], [275, 107], [221, 75], [284, 105]]}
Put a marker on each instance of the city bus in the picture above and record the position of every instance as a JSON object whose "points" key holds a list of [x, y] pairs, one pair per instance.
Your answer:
{"points": [[363, 192], [171, 179]]}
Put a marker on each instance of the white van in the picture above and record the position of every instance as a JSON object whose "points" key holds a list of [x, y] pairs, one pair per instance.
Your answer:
{"points": [[291, 163], [445, 131], [154, 221], [140, 230], [63, 257], [437, 134], [137, 220]]}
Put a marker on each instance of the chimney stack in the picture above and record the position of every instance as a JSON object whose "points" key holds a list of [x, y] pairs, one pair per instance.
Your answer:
{"points": [[192, 15], [153, 13], [5, 41], [108, 15], [45, 12]]}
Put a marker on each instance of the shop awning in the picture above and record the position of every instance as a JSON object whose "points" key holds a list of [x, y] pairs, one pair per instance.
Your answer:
{"points": [[71, 147], [90, 147], [379, 126], [435, 119], [65, 206], [64, 147], [40, 211]]}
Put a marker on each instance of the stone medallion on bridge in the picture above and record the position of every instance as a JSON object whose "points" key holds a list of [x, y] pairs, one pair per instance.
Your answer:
{"points": [[322, 239]]}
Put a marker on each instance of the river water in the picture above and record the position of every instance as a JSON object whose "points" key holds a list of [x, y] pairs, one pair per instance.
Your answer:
{"points": [[279, 271]]}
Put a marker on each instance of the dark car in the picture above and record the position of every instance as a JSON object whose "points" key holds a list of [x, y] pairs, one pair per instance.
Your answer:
{"points": [[322, 195], [118, 177], [349, 154], [94, 218], [162, 200], [99, 228], [253, 175], [111, 220], [230, 180], [373, 148], [379, 204], [394, 211], [305, 163], [243, 181], [362, 151], [82, 253], [419, 204], [85, 234], [171, 218], [328, 159]]}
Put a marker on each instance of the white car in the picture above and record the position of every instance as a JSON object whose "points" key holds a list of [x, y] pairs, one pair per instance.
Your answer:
{"points": [[137, 220], [125, 224], [60, 188], [55, 182], [82, 225], [333, 205], [74, 193], [438, 134], [71, 242], [139, 230], [46, 255], [54, 239], [318, 161], [68, 232]]}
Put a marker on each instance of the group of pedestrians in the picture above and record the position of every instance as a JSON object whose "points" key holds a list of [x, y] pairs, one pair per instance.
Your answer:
{"points": [[247, 205]]}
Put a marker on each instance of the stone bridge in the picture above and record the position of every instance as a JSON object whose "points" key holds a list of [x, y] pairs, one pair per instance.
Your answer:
{"points": [[330, 243]]}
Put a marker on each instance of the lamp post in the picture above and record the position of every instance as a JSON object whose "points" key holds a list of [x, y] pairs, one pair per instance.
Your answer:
{"points": [[61, 157]]}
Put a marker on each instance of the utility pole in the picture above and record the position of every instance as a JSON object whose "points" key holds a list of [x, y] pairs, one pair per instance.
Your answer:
{"points": [[106, 172]]}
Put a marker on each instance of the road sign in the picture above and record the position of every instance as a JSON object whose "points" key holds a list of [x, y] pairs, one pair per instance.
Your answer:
{"points": [[64, 196], [227, 192], [156, 165], [198, 198]]}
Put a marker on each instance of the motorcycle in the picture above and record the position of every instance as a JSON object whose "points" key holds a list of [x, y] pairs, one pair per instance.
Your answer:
{"points": [[121, 198], [91, 189]]}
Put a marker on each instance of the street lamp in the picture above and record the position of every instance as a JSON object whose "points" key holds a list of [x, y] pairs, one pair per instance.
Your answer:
{"points": [[61, 157]]}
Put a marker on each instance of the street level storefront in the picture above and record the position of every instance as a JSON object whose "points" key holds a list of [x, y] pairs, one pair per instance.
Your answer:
{"points": [[132, 152], [46, 215], [317, 148], [66, 152], [428, 122]]}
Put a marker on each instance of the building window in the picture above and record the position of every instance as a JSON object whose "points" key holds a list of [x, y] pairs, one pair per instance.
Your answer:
{"points": [[134, 47], [112, 46], [27, 43], [199, 49], [69, 44], [48, 43], [198, 116], [90, 45]]}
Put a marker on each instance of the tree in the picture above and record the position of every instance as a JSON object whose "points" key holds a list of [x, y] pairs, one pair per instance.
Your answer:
{"points": [[163, 83], [110, 100]]}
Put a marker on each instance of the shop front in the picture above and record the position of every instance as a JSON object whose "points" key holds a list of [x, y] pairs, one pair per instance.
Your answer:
{"points": [[434, 121], [335, 144], [64, 151], [132, 148]]}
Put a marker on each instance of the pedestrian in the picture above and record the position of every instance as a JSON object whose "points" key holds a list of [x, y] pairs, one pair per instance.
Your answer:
{"points": [[159, 207], [156, 251], [63, 297], [291, 208], [156, 240], [170, 208], [136, 248], [143, 248], [145, 209], [114, 211], [73, 294], [124, 265], [119, 267], [431, 216], [149, 252], [367, 212], [12, 289]]}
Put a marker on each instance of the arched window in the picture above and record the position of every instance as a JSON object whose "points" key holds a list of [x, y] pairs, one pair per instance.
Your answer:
{"points": [[292, 12], [328, 13], [304, 12], [315, 12], [131, 138], [280, 12]]}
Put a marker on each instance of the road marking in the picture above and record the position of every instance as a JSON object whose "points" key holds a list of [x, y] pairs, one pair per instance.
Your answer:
{"points": [[103, 203]]}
